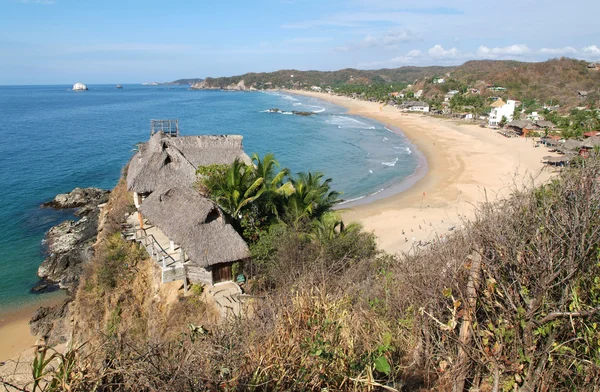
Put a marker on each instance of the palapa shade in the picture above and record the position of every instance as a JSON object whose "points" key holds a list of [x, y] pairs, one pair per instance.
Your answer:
{"points": [[196, 224], [164, 162]]}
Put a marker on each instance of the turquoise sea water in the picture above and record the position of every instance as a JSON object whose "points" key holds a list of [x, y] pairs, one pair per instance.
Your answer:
{"points": [[53, 139]]}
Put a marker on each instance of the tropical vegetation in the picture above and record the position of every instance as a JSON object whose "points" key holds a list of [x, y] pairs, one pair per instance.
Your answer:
{"points": [[509, 303], [268, 205]]}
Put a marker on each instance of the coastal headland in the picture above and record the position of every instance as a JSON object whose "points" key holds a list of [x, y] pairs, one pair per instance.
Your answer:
{"points": [[466, 165]]}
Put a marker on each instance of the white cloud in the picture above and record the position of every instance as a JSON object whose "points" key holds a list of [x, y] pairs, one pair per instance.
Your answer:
{"points": [[561, 51], [308, 40], [414, 53], [391, 39], [592, 49], [439, 51], [512, 50]]}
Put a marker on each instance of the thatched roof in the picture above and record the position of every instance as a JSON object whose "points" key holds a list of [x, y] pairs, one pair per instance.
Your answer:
{"points": [[557, 160], [211, 149], [165, 162], [571, 145], [591, 142], [196, 224], [520, 124], [498, 103], [545, 124]]}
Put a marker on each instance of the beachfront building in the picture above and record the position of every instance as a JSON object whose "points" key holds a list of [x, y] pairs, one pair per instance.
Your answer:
{"points": [[186, 233], [501, 109], [415, 106]]}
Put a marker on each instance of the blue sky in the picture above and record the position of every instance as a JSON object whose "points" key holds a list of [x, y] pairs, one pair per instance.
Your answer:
{"points": [[63, 41]]}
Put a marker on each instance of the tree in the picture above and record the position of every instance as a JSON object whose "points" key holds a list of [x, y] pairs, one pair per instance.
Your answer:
{"points": [[503, 121], [312, 197], [235, 188], [273, 185]]}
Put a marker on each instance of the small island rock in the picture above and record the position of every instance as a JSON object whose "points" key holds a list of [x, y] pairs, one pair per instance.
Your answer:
{"points": [[79, 87]]}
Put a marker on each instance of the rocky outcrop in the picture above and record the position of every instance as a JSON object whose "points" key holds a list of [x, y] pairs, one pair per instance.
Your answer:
{"points": [[206, 85], [51, 323], [85, 199], [79, 87], [294, 112], [69, 244]]}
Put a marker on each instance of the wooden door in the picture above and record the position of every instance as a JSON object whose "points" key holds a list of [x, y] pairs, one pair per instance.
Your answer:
{"points": [[221, 272]]}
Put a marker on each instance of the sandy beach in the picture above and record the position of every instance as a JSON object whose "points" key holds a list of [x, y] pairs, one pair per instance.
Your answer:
{"points": [[15, 337], [467, 165]]}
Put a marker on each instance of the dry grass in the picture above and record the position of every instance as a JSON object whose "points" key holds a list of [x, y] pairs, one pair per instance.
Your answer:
{"points": [[509, 303]]}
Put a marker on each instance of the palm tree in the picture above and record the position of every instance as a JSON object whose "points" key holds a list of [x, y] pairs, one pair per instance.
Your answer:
{"points": [[330, 226], [312, 197], [273, 185], [236, 188]]}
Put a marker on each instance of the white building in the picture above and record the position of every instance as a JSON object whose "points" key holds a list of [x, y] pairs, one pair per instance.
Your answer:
{"points": [[439, 81], [534, 116], [316, 88], [415, 106], [501, 109]]}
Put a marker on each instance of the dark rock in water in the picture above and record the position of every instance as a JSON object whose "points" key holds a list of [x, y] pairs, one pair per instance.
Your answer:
{"points": [[51, 323], [69, 244], [79, 197], [44, 286], [303, 113]]}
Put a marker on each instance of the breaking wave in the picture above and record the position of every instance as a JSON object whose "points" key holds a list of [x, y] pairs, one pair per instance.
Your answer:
{"points": [[348, 122], [393, 163]]}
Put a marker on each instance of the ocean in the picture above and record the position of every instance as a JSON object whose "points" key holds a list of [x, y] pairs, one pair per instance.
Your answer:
{"points": [[53, 140]]}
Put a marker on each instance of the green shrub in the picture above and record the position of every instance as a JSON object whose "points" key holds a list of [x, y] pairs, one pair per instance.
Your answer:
{"points": [[197, 289]]}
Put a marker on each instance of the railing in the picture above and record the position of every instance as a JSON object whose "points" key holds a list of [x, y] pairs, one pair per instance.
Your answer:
{"points": [[168, 127], [154, 248]]}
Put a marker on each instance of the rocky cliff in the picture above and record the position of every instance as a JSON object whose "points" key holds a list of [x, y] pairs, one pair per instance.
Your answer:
{"points": [[208, 85], [69, 244]]}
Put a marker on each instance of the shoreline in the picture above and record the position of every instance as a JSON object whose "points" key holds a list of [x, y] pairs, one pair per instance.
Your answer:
{"points": [[466, 164], [393, 189], [14, 323]]}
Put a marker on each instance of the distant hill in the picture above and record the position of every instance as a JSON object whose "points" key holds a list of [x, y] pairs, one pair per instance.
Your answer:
{"points": [[284, 78], [184, 82], [555, 81]]}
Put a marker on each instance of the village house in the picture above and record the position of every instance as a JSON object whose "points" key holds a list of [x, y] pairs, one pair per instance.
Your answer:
{"points": [[526, 127], [186, 233], [316, 88], [439, 80], [534, 116], [499, 110], [415, 106]]}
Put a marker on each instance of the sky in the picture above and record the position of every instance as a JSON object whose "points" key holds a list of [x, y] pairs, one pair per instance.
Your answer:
{"points": [[126, 41]]}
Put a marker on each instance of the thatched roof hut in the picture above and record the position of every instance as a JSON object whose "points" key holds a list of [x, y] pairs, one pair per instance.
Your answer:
{"points": [[545, 124], [196, 224], [591, 142], [571, 145], [164, 162]]}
